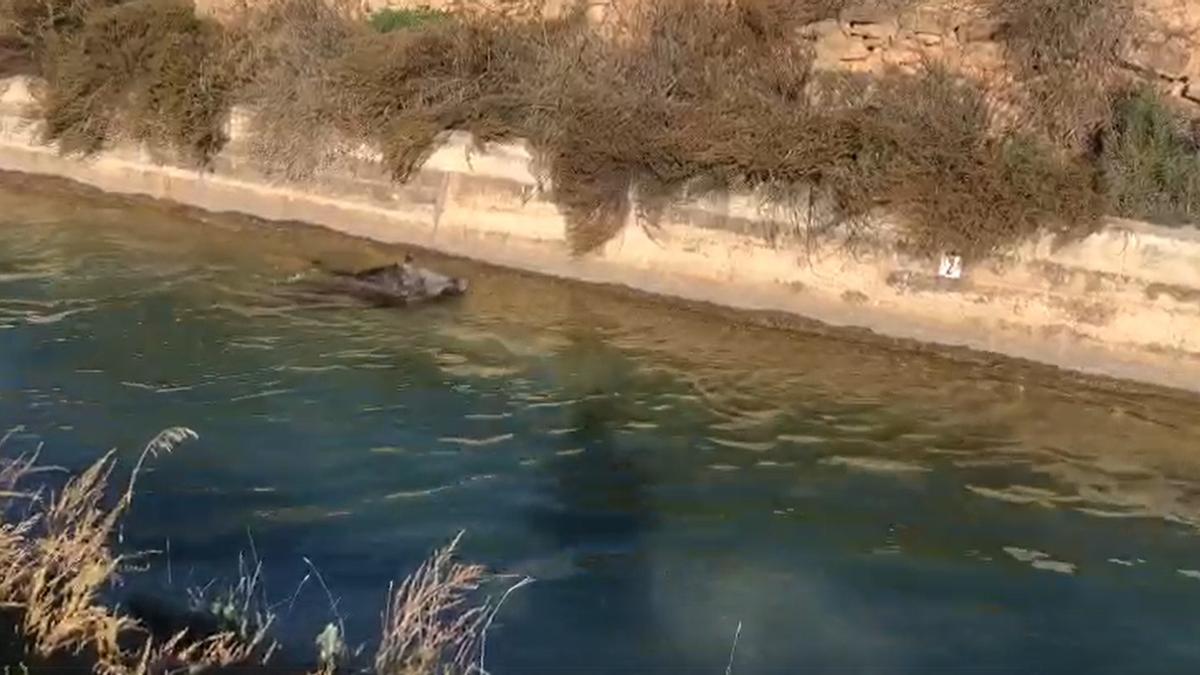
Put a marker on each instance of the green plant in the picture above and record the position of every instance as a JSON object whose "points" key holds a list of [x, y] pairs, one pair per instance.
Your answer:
{"points": [[1151, 163], [243, 617], [388, 19]]}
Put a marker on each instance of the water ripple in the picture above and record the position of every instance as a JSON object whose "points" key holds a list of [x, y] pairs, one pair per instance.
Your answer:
{"points": [[476, 442], [875, 464]]}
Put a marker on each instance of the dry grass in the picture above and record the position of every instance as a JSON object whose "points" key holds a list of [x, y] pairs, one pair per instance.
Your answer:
{"points": [[72, 564], [428, 626], [57, 560], [15, 526]]}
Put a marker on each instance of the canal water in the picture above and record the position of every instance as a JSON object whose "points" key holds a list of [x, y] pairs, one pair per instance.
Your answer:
{"points": [[667, 474]]}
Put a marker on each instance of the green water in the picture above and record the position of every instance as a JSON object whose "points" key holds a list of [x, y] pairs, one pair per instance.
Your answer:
{"points": [[857, 505]]}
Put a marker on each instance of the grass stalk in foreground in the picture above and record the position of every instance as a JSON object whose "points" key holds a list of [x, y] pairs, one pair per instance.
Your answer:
{"points": [[57, 560]]}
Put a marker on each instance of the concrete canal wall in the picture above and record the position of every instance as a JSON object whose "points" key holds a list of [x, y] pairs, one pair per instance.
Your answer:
{"points": [[1124, 301]]}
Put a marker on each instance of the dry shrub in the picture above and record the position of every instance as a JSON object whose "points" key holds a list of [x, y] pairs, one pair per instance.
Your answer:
{"points": [[1066, 54], [708, 99], [145, 70], [32, 29], [400, 90], [678, 97], [283, 51], [326, 85], [956, 186], [33, 25], [505, 9], [634, 118], [428, 626]]}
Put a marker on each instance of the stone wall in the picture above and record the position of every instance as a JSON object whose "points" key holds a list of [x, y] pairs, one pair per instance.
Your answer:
{"points": [[1169, 49], [1164, 49]]}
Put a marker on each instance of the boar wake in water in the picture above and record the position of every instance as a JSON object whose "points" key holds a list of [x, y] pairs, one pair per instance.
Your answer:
{"points": [[395, 285]]}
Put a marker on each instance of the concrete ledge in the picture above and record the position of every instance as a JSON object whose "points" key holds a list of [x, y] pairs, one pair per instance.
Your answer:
{"points": [[1123, 302]]}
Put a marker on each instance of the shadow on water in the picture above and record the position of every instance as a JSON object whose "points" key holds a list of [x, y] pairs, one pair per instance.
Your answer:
{"points": [[596, 513]]}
